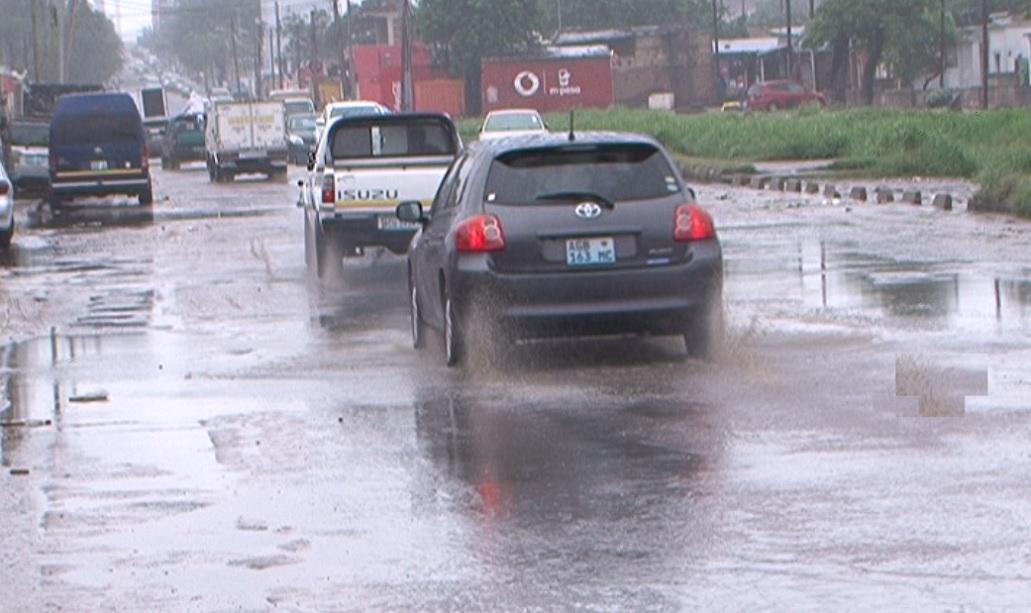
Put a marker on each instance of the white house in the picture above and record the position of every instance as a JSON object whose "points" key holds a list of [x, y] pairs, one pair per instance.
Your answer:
{"points": [[1009, 40]]}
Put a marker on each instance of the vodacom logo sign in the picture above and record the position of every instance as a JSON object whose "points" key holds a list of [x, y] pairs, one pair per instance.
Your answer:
{"points": [[527, 84]]}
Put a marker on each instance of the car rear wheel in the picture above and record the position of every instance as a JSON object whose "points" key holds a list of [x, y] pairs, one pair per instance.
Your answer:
{"points": [[704, 335], [452, 335], [418, 327], [55, 201], [6, 236], [146, 197]]}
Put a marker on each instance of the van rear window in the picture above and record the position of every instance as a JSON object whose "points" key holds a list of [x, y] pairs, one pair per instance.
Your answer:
{"points": [[89, 129], [393, 139], [617, 172]]}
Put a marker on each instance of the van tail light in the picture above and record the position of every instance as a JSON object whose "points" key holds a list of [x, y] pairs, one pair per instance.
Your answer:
{"points": [[480, 234], [329, 195], [692, 223]]}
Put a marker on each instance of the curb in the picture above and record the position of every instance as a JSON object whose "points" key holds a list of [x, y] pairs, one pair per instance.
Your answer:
{"points": [[880, 194]]}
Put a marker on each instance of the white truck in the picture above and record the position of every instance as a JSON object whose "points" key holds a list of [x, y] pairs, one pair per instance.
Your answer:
{"points": [[363, 167], [245, 137]]}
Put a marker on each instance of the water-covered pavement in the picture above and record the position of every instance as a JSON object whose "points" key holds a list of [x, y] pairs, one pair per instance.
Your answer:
{"points": [[191, 424]]}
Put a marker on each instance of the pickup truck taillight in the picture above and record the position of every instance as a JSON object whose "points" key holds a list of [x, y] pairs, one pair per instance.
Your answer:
{"points": [[328, 189]]}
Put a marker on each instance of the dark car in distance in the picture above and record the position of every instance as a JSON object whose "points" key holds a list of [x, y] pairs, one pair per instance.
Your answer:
{"points": [[183, 141], [543, 236], [98, 148], [300, 137], [775, 95]]}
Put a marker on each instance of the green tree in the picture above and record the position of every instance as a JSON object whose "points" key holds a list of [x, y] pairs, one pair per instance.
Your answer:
{"points": [[96, 52], [463, 32], [882, 29], [596, 14]]}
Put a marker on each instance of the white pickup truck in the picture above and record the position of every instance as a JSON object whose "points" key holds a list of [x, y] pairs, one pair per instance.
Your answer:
{"points": [[362, 169], [245, 137]]}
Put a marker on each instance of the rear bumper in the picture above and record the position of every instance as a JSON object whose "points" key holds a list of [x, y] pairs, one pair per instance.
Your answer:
{"points": [[188, 154], [6, 212], [100, 185], [273, 162], [656, 300], [362, 230], [30, 177]]}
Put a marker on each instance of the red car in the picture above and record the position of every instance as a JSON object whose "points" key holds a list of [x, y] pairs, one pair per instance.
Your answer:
{"points": [[773, 95]]}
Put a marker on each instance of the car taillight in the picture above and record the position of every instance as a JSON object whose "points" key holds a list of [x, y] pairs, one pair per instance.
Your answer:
{"points": [[329, 195], [692, 223], [480, 234], [145, 160], [5, 188]]}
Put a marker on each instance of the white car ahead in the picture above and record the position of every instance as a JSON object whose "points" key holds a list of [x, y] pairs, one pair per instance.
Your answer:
{"points": [[6, 209], [512, 122]]}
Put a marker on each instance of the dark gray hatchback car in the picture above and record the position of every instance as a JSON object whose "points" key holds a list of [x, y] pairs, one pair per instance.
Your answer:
{"points": [[543, 236]]}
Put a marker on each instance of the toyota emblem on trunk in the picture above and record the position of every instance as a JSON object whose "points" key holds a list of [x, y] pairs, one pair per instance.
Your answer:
{"points": [[587, 210]]}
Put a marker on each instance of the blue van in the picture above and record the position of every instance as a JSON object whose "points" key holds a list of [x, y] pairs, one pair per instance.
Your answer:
{"points": [[97, 148]]}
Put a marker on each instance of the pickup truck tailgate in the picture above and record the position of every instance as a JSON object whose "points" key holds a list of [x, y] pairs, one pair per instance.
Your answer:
{"points": [[380, 190]]}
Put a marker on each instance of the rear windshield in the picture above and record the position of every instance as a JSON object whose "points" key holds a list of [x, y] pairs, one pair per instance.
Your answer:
{"points": [[408, 139], [30, 135], [513, 121], [299, 106], [355, 111], [615, 172], [187, 124], [86, 130]]}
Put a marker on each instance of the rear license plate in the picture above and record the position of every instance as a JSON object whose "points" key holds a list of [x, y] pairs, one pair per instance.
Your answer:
{"points": [[251, 155], [98, 165], [393, 224], [590, 251]]}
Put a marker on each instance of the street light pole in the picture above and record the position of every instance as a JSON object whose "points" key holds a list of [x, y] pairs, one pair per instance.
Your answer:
{"points": [[791, 52]]}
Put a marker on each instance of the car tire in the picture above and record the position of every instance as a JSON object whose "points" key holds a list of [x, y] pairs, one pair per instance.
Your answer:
{"points": [[418, 326], [329, 257], [705, 334], [146, 197], [453, 345], [164, 164], [310, 263], [55, 201], [6, 236]]}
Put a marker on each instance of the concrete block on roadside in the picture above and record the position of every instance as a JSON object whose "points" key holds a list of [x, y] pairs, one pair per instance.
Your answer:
{"points": [[760, 182], [912, 197], [858, 193], [885, 195], [831, 191], [742, 180], [793, 185], [777, 183], [812, 188], [942, 201]]}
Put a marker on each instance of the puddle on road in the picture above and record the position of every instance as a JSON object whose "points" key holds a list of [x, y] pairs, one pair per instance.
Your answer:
{"points": [[843, 280]]}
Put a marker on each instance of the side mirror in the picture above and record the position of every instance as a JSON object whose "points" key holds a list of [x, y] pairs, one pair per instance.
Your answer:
{"points": [[311, 161], [410, 211]]}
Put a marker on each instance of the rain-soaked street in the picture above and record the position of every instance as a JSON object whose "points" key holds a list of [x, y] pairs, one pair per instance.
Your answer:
{"points": [[192, 424]]}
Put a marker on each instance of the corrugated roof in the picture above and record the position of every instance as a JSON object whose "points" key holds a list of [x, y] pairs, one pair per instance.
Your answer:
{"points": [[581, 37], [558, 53], [750, 46]]}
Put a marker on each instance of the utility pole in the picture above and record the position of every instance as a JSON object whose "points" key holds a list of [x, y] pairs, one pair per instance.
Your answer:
{"points": [[35, 41], [279, 46], [559, 15], [984, 54], [314, 62], [716, 47], [350, 48], [73, 9], [407, 83], [54, 43], [272, 58], [338, 32], [236, 56], [791, 50], [941, 77], [258, 85], [812, 9]]}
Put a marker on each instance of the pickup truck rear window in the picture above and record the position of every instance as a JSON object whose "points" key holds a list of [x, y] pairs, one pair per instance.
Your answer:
{"points": [[393, 139], [617, 172]]}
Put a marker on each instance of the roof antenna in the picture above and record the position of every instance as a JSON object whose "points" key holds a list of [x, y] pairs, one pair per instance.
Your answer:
{"points": [[572, 134]]}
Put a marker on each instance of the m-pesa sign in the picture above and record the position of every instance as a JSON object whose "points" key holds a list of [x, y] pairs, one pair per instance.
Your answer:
{"points": [[548, 84]]}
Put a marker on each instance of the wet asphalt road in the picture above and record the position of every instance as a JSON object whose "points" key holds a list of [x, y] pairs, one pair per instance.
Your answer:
{"points": [[191, 424]]}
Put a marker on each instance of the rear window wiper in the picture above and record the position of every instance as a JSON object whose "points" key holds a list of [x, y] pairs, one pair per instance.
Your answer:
{"points": [[574, 196]]}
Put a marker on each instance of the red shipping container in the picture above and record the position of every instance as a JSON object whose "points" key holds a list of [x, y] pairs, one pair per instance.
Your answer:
{"points": [[440, 96], [553, 83]]}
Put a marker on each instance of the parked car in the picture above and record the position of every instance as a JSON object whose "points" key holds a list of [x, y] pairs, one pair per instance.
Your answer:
{"points": [[97, 148], [774, 95], [542, 237], [512, 122], [183, 141], [30, 147], [363, 168], [300, 136], [6, 208]]}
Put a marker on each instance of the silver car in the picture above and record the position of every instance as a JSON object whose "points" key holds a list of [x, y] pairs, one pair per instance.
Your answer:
{"points": [[6, 209]]}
